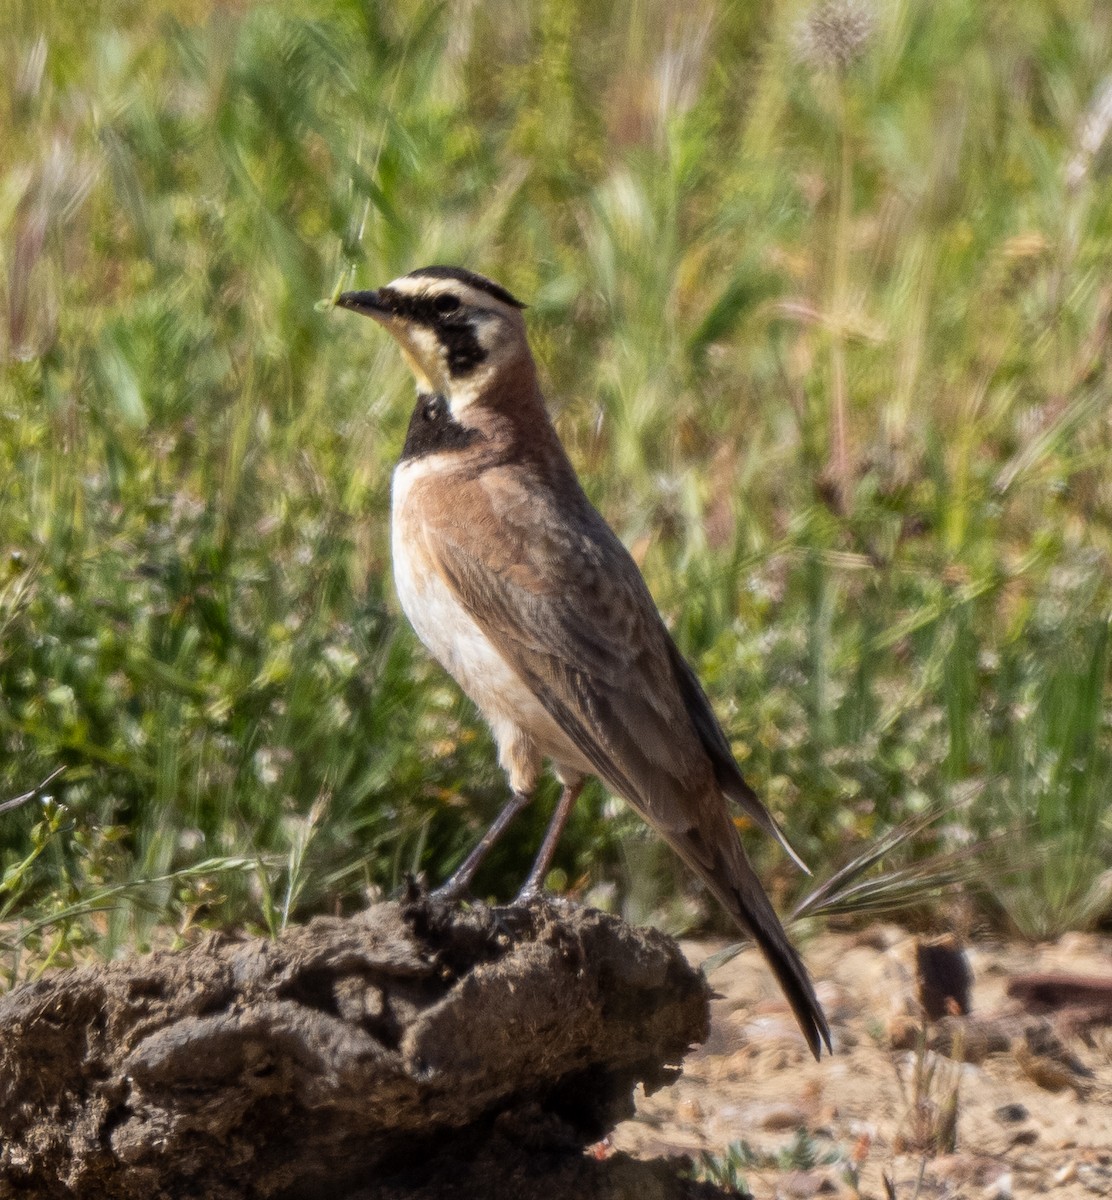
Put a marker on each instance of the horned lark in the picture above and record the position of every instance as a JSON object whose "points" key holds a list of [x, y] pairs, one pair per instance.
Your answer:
{"points": [[522, 591]]}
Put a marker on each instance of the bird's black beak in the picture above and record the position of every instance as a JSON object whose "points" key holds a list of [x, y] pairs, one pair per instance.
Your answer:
{"points": [[370, 304]]}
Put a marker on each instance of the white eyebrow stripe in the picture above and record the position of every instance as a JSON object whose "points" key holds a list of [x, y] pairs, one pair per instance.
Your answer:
{"points": [[472, 297], [422, 285]]}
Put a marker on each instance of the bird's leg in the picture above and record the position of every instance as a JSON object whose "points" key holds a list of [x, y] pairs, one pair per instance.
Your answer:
{"points": [[543, 861], [458, 883]]}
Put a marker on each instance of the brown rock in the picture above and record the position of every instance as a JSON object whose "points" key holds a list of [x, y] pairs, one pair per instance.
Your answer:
{"points": [[1081, 1000], [945, 980]]}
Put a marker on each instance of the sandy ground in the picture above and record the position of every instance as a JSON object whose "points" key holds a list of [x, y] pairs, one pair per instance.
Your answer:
{"points": [[1034, 1118]]}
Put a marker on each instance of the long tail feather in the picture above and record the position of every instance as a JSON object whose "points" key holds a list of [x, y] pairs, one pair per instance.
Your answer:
{"points": [[731, 878], [753, 912]]}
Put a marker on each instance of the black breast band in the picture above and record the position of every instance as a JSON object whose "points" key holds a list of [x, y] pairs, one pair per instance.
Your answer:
{"points": [[433, 429]]}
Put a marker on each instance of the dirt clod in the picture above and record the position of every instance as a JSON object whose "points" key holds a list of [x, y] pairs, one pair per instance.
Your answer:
{"points": [[350, 1057]]}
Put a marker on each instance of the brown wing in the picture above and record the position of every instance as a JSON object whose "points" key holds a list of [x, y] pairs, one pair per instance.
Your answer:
{"points": [[564, 601], [726, 771], [566, 606]]}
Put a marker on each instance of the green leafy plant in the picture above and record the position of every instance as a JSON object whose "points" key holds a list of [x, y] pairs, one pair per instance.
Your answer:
{"points": [[823, 328]]}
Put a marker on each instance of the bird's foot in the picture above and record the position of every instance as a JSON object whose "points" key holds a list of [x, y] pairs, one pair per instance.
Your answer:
{"points": [[452, 889], [535, 893]]}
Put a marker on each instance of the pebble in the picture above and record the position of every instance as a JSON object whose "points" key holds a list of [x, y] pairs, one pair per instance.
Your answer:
{"points": [[1066, 1174], [1000, 1188], [689, 1110], [774, 1116], [780, 1116], [803, 1185]]}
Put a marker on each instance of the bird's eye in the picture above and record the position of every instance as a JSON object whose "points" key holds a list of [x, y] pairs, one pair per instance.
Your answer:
{"points": [[445, 303]]}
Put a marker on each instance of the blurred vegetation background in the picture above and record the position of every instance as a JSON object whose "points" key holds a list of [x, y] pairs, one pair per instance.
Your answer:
{"points": [[821, 295]]}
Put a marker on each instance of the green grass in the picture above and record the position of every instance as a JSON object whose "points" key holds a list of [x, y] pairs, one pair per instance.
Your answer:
{"points": [[826, 340]]}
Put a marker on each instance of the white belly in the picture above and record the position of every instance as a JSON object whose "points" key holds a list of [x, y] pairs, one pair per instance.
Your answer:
{"points": [[456, 641]]}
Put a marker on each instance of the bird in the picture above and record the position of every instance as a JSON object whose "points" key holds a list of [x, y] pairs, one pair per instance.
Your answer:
{"points": [[521, 590]]}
